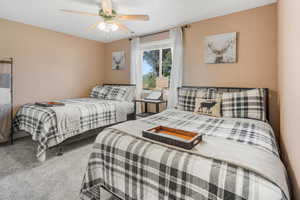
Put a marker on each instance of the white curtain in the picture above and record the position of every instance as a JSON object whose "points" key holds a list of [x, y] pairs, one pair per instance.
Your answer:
{"points": [[177, 67], [135, 68]]}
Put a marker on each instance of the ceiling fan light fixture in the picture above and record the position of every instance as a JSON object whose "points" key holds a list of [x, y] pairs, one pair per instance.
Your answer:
{"points": [[108, 27]]}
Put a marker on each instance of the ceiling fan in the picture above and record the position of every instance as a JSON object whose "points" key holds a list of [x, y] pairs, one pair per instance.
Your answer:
{"points": [[111, 20]]}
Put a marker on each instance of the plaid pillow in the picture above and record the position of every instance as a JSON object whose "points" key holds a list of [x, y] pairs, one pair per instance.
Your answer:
{"points": [[187, 97], [245, 104], [118, 93], [100, 92], [131, 94]]}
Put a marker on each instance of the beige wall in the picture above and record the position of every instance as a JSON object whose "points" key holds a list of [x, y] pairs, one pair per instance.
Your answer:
{"points": [[117, 76], [123, 76], [289, 86], [50, 65], [257, 54]]}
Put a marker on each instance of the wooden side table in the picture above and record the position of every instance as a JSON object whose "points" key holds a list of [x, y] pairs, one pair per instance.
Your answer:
{"points": [[146, 102]]}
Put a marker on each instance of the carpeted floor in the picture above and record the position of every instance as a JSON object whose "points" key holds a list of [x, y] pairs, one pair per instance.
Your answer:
{"points": [[22, 177]]}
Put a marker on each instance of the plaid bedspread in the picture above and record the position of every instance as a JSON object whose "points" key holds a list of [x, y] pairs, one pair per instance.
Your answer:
{"points": [[41, 122], [133, 168]]}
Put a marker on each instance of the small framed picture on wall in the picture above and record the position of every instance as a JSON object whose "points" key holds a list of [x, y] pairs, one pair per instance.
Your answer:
{"points": [[118, 60], [220, 48]]}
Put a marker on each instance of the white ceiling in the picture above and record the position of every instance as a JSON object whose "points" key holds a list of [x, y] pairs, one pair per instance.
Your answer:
{"points": [[163, 14]]}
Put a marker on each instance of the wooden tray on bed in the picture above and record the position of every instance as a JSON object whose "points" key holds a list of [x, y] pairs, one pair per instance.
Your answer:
{"points": [[49, 104], [171, 136]]}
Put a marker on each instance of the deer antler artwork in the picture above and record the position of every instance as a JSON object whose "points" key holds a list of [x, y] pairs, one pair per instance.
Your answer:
{"points": [[221, 52], [117, 61]]}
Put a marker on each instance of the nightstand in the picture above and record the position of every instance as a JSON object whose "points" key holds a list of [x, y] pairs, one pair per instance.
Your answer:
{"points": [[146, 102]]}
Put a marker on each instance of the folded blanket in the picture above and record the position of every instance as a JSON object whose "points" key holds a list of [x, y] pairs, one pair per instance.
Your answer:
{"points": [[5, 80], [5, 96], [5, 122]]}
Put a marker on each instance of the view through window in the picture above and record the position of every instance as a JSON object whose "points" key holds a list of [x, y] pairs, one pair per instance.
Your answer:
{"points": [[156, 68]]}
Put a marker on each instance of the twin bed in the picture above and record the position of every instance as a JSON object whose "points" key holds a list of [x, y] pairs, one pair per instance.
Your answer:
{"points": [[237, 159], [51, 126]]}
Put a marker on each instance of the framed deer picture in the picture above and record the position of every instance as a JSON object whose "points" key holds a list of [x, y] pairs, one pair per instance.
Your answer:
{"points": [[220, 48], [118, 60]]}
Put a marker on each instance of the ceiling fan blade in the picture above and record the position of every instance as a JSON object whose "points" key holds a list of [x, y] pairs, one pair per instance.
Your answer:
{"points": [[79, 12], [106, 6], [123, 27], [93, 26], [134, 17]]}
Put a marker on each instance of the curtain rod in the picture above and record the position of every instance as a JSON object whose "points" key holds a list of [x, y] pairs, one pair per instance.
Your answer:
{"points": [[164, 31]]}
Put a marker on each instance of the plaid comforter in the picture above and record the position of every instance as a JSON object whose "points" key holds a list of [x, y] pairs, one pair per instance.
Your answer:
{"points": [[41, 122], [133, 168]]}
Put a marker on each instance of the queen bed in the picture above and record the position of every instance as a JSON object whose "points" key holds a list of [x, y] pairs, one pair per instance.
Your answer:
{"points": [[237, 159], [51, 126]]}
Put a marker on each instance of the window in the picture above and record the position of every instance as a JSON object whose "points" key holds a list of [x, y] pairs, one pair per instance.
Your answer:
{"points": [[156, 67]]}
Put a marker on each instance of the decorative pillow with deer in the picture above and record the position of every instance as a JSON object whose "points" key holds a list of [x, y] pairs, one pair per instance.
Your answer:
{"points": [[187, 97], [211, 107]]}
